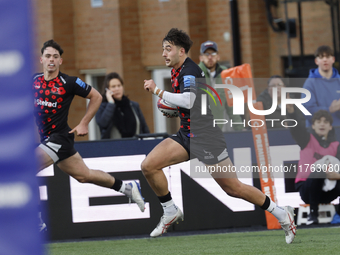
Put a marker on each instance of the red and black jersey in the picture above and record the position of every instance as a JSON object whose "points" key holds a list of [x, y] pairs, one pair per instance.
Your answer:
{"points": [[52, 100], [188, 78]]}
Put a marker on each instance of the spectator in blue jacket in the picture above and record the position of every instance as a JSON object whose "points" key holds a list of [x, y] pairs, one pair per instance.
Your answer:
{"points": [[324, 85], [118, 116]]}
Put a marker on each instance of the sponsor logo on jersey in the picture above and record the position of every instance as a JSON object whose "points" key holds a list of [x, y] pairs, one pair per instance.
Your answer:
{"points": [[81, 83], [189, 81], [45, 103]]}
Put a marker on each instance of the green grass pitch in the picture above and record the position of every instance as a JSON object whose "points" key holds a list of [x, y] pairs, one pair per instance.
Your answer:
{"points": [[323, 240]]}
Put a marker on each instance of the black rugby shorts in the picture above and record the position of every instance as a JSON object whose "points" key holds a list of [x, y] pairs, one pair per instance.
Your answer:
{"points": [[208, 147], [59, 146]]}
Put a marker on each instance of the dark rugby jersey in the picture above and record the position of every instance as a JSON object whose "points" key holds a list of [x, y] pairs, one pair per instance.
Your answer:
{"points": [[52, 100], [188, 78]]}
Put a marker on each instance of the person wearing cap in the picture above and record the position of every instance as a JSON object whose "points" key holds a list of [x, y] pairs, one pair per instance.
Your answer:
{"points": [[212, 70]]}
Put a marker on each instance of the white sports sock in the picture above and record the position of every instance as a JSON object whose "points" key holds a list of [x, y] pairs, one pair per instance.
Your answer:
{"points": [[277, 211], [169, 208]]}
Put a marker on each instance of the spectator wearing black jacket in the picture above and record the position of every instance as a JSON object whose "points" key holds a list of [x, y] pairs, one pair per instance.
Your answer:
{"points": [[118, 116]]}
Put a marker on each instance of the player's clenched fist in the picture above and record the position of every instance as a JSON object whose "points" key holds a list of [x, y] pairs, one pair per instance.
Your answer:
{"points": [[149, 85]]}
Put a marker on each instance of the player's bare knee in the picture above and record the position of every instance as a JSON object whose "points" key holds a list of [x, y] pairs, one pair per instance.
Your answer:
{"points": [[234, 193], [144, 167], [233, 190], [147, 167], [81, 179]]}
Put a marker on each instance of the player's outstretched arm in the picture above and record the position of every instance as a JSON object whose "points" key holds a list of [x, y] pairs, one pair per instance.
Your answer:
{"points": [[95, 100]]}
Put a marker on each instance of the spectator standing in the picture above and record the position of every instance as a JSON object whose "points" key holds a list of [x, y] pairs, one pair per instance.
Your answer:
{"points": [[118, 116], [324, 85], [212, 71]]}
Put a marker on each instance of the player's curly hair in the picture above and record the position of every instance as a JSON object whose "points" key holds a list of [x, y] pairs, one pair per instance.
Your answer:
{"points": [[54, 45], [178, 38], [322, 113]]}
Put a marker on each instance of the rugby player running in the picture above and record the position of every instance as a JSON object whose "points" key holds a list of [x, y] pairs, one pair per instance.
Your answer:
{"points": [[196, 138], [53, 94]]}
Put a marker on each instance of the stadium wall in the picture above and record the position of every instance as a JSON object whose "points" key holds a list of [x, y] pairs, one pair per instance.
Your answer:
{"points": [[125, 36]]}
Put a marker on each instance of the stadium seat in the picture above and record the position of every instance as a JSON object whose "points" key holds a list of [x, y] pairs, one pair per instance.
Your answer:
{"points": [[326, 213]]}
